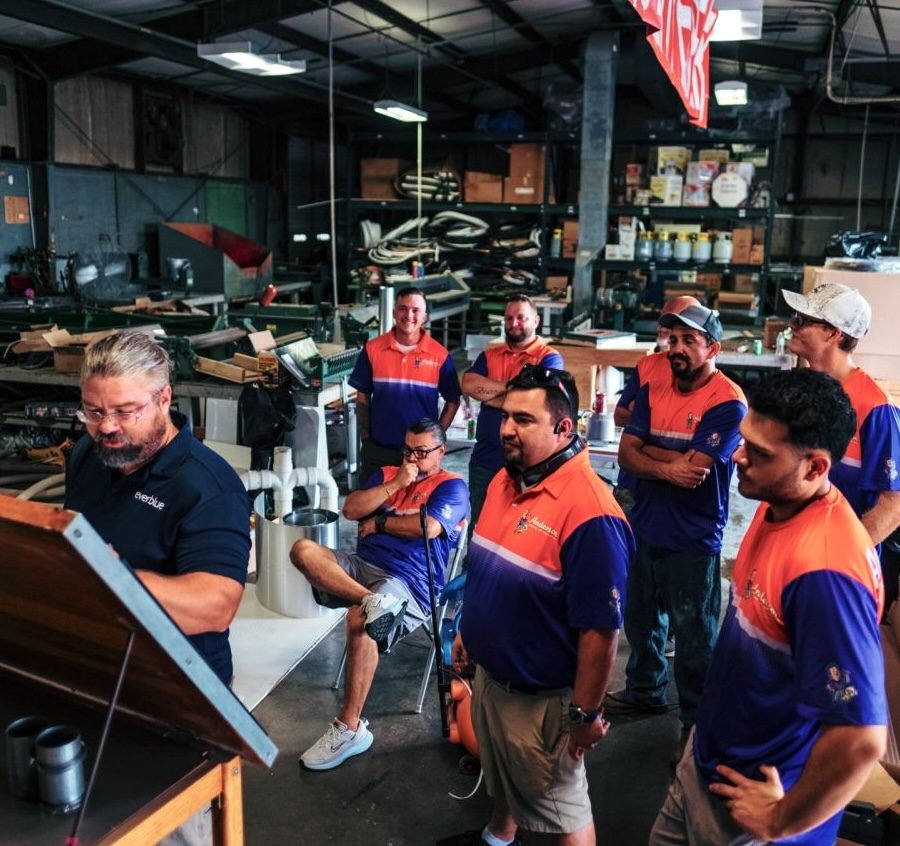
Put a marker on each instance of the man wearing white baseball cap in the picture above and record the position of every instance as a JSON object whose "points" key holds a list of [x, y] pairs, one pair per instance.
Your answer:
{"points": [[827, 325]]}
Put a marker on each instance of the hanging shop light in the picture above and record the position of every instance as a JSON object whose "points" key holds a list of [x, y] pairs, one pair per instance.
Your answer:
{"points": [[732, 92], [400, 111], [244, 57], [738, 20]]}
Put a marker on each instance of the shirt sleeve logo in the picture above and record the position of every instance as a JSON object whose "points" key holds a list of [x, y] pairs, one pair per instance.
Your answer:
{"points": [[838, 685], [714, 440], [615, 601], [890, 469]]}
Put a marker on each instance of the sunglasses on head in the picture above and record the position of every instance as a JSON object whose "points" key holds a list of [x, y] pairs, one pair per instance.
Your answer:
{"points": [[535, 376]]}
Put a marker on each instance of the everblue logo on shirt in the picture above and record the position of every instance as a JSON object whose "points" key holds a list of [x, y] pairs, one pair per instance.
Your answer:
{"points": [[149, 499]]}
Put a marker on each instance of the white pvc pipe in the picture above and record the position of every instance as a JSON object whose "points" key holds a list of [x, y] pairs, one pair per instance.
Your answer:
{"points": [[45, 483], [284, 479]]}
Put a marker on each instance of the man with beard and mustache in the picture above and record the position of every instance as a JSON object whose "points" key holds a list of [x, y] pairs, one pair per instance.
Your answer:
{"points": [[486, 382], [793, 714], [679, 443], [385, 582], [543, 607], [173, 509]]}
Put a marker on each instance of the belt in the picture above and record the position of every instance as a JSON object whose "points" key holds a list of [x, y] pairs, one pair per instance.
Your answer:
{"points": [[527, 689]]}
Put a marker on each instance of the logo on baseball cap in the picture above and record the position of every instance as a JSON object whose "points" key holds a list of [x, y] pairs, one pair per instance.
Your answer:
{"points": [[696, 317], [836, 304]]}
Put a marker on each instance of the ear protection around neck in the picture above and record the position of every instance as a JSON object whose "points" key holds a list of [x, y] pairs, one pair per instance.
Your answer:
{"points": [[533, 475]]}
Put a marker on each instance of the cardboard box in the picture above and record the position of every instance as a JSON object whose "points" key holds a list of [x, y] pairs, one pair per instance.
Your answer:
{"points": [[556, 283], [526, 174], [672, 156], [667, 189], [570, 238], [745, 169], [634, 174], [481, 187], [720, 155], [745, 283], [757, 254], [741, 240], [376, 178]]}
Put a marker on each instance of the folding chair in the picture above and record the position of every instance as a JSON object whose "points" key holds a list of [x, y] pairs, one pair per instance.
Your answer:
{"points": [[454, 566]]}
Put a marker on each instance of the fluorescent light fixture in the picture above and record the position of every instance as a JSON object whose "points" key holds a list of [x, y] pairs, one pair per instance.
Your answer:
{"points": [[399, 111], [731, 93], [243, 56], [738, 20]]}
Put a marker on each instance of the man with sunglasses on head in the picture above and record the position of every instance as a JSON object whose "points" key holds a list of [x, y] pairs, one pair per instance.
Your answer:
{"points": [[385, 581], [679, 444], [399, 377], [827, 325], [486, 382], [174, 510], [544, 593]]}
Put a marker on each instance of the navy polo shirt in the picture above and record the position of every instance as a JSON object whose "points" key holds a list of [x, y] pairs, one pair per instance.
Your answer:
{"points": [[185, 511]]}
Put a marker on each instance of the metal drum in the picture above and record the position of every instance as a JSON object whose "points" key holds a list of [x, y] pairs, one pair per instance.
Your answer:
{"points": [[280, 586]]}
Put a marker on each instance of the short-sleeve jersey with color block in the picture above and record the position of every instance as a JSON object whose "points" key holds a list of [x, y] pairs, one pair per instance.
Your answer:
{"points": [[706, 420], [502, 362], [871, 463], [654, 366], [544, 564], [799, 648], [403, 386], [446, 499]]}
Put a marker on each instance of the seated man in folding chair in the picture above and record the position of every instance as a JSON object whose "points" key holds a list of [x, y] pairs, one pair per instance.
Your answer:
{"points": [[386, 580]]}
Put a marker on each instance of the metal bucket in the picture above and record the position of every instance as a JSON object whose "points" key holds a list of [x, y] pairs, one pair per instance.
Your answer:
{"points": [[280, 586]]}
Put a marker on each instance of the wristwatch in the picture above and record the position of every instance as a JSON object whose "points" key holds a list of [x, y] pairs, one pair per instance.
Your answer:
{"points": [[579, 715], [380, 520]]}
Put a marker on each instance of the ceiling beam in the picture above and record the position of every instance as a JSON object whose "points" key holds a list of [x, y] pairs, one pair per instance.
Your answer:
{"points": [[110, 31], [513, 19], [758, 54]]}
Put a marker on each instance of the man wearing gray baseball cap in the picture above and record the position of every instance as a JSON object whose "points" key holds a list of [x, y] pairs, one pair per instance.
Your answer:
{"points": [[827, 325], [678, 444]]}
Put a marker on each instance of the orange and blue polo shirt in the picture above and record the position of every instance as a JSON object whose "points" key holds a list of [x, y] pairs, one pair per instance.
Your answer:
{"points": [[544, 564], [705, 420], [502, 362], [871, 463], [799, 648], [654, 366], [446, 499], [403, 386]]}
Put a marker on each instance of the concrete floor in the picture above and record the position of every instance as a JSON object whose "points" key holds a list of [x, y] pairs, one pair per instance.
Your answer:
{"points": [[397, 794]]}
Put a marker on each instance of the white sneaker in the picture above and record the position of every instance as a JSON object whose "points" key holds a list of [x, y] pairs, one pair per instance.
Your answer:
{"points": [[382, 611], [337, 745]]}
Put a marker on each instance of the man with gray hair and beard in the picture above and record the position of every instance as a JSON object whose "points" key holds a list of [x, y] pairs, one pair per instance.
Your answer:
{"points": [[171, 508], [174, 510]]}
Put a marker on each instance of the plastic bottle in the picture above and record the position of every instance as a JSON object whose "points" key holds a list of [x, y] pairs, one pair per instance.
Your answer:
{"points": [[779, 344], [556, 244]]}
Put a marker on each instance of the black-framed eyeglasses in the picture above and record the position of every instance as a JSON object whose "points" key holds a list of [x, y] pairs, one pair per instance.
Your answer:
{"points": [[419, 452], [801, 320], [535, 376]]}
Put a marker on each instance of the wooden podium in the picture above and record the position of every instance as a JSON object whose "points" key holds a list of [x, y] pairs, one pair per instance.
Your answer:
{"points": [[68, 610]]}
